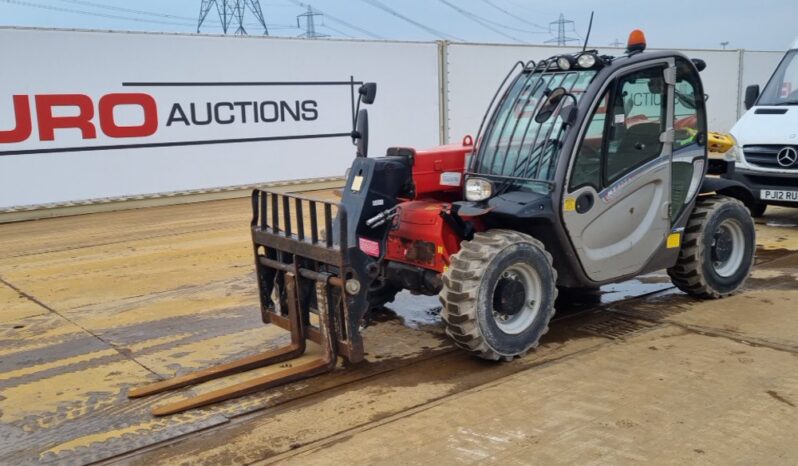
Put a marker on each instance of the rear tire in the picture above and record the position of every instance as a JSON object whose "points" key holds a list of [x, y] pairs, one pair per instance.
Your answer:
{"points": [[498, 294], [717, 250]]}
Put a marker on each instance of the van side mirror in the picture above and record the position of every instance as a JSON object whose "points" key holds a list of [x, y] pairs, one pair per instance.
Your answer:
{"points": [[751, 94], [368, 92]]}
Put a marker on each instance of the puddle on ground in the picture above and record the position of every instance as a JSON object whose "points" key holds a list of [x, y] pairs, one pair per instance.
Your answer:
{"points": [[417, 311], [781, 223], [639, 286], [420, 312]]}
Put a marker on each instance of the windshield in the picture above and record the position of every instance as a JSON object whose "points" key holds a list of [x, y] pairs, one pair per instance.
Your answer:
{"points": [[514, 145], [782, 89]]}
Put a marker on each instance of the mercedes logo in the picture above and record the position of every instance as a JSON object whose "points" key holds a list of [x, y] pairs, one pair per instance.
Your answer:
{"points": [[787, 157]]}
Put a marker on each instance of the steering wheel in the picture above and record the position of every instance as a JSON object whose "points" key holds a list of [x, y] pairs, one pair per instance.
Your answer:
{"points": [[522, 168]]}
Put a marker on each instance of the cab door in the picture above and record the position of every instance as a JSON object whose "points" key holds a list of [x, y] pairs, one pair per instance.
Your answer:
{"points": [[618, 190]]}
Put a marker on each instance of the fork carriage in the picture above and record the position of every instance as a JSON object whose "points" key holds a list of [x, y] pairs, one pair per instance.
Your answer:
{"points": [[308, 286]]}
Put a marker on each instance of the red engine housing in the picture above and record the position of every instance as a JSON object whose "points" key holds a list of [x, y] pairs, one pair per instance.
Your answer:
{"points": [[422, 237]]}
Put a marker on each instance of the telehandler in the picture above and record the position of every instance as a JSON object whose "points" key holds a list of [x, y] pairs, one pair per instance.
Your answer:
{"points": [[587, 169]]}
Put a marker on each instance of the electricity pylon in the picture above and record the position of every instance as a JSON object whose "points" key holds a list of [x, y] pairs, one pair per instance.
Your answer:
{"points": [[231, 12]]}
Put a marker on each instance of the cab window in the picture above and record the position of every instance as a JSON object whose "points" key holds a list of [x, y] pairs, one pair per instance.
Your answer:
{"points": [[587, 166], [689, 124], [638, 120], [624, 130]]}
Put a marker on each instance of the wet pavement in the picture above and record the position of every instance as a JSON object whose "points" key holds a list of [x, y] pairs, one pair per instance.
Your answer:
{"points": [[91, 306]]}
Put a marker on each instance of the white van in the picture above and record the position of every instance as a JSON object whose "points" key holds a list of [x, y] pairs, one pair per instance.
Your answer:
{"points": [[766, 156]]}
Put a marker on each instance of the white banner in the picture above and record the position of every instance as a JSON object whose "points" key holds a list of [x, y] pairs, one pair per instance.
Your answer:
{"points": [[88, 115], [474, 72]]}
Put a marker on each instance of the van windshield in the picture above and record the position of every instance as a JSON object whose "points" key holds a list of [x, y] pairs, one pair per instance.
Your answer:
{"points": [[782, 89]]}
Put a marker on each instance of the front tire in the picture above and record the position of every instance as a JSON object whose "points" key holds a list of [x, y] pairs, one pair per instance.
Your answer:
{"points": [[498, 294], [717, 251], [758, 209]]}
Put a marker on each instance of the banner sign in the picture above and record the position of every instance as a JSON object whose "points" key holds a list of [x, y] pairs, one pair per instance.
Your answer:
{"points": [[169, 114], [92, 115]]}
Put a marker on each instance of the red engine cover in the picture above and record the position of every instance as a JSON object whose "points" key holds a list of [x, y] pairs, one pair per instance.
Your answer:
{"points": [[438, 172], [423, 238]]}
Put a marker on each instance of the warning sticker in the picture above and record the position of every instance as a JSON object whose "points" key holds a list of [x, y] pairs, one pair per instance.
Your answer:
{"points": [[674, 240], [357, 182], [451, 178]]}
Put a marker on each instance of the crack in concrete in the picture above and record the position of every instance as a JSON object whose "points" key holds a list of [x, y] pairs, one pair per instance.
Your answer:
{"points": [[52, 310]]}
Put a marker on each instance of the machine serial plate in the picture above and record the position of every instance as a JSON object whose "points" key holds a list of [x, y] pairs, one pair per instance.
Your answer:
{"points": [[777, 195]]}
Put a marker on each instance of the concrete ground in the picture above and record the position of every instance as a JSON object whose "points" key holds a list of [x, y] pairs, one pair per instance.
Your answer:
{"points": [[91, 306]]}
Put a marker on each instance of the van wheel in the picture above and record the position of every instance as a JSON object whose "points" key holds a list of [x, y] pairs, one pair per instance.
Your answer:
{"points": [[498, 294], [717, 250], [758, 209]]}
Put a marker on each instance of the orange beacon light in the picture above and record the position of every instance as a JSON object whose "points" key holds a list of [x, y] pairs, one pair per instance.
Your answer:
{"points": [[636, 42]]}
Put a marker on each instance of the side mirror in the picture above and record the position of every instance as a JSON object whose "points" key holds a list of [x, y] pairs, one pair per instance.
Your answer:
{"points": [[360, 136], [553, 99], [751, 94], [368, 92]]}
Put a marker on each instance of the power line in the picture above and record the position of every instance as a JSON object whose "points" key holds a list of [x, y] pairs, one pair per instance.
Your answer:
{"points": [[562, 38], [339, 21], [523, 7], [127, 10], [337, 31], [385, 8], [480, 21], [88, 13], [489, 2]]}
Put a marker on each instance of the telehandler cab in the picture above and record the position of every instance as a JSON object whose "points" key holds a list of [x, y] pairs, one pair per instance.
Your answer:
{"points": [[587, 169]]}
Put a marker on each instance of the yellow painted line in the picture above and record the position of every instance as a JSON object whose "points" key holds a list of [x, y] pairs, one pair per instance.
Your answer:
{"points": [[203, 353], [70, 391], [57, 363], [150, 343], [151, 426]]}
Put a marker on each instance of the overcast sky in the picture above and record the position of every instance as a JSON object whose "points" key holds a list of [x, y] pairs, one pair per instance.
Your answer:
{"points": [[752, 25]]}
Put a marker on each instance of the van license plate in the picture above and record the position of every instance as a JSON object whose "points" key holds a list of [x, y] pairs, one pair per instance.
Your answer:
{"points": [[773, 195]]}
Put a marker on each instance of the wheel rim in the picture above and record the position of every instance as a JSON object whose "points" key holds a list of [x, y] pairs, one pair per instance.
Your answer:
{"points": [[514, 321], [728, 248]]}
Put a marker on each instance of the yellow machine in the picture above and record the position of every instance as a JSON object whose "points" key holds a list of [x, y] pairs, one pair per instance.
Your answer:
{"points": [[719, 143]]}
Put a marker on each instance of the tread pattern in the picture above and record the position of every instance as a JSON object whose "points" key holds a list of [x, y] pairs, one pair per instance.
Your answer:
{"points": [[688, 273], [461, 288]]}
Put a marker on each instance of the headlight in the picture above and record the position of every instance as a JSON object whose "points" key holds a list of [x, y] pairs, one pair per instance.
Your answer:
{"points": [[477, 189], [735, 154], [564, 63], [586, 60]]}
